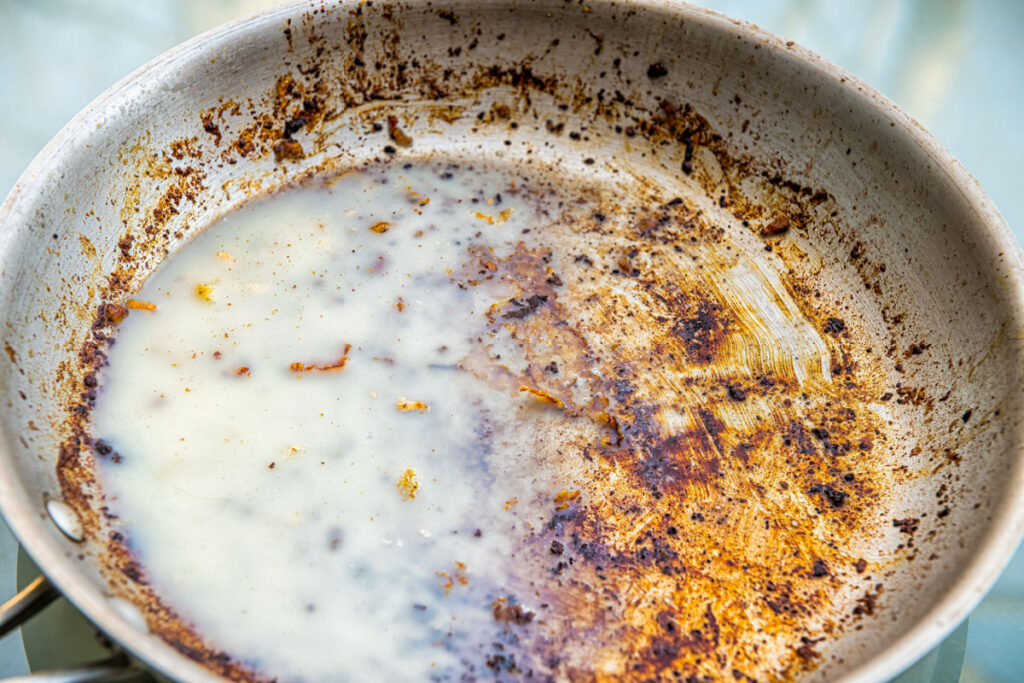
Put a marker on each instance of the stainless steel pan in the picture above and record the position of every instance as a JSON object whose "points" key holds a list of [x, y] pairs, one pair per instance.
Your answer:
{"points": [[776, 140]]}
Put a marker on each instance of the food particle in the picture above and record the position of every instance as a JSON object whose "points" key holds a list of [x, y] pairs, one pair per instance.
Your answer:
{"points": [[141, 305], [404, 405], [205, 292], [408, 484]]}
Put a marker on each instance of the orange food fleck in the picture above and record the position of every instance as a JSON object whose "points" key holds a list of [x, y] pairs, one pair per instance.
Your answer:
{"points": [[380, 227], [543, 396], [564, 497], [514, 500], [331, 365], [400, 305], [504, 215], [141, 305], [458, 576], [397, 134], [244, 370], [404, 405], [408, 484], [485, 217]]}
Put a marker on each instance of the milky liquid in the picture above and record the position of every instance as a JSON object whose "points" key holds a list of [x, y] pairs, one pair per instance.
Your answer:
{"points": [[314, 522]]}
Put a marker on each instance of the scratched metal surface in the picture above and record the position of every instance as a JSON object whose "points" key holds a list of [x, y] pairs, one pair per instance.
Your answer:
{"points": [[951, 64]]}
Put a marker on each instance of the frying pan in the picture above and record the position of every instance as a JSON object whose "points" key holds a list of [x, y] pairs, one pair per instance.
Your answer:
{"points": [[791, 147]]}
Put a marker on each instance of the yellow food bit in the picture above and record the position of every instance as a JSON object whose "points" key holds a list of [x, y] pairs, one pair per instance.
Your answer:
{"points": [[225, 257], [484, 217], [408, 484], [141, 305], [504, 215], [411, 405], [380, 227], [512, 501], [205, 292], [544, 396], [564, 497]]}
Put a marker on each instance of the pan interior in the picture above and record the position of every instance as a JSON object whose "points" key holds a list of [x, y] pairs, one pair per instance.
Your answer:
{"points": [[496, 417]]}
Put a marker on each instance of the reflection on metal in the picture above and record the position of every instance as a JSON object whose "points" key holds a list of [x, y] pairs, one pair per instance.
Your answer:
{"points": [[26, 604], [114, 669]]}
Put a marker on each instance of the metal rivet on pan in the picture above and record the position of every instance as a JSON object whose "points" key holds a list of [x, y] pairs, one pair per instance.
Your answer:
{"points": [[130, 613], [66, 520]]}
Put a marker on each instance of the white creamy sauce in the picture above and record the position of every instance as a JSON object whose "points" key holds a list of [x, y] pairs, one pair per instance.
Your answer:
{"points": [[268, 504]]}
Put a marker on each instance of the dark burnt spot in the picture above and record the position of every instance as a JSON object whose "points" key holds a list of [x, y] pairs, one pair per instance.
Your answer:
{"points": [[819, 569], [449, 16], [134, 572], [523, 309], [835, 497], [294, 125], [701, 327], [736, 393], [966, 416], [778, 226], [907, 525], [917, 349], [510, 611], [556, 548], [656, 70], [502, 663], [834, 326], [622, 390], [867, 603], [806, 649]]}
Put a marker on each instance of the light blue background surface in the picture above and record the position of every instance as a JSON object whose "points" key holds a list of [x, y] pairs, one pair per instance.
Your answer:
{"points": [[957, 66]]}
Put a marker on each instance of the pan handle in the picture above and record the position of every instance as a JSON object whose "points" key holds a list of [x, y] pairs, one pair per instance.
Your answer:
{"points": [[112, 669], [26, 604]]}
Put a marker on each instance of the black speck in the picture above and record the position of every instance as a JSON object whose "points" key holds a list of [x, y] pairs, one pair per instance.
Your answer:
{"points": [[656, 70]]}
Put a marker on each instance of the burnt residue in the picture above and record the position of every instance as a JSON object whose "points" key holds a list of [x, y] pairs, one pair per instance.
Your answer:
{"points": [[695, 523], [728, 496]]}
